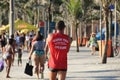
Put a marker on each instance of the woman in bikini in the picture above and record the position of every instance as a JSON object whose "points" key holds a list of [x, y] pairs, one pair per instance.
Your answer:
{"points": [[37, 50], [8, 56]]}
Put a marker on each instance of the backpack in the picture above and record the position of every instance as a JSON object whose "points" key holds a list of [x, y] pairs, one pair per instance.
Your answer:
{"points": [[1, 65]]}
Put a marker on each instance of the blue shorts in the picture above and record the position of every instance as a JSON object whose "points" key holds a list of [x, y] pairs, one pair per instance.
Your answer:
{"points": [[39, 52]]}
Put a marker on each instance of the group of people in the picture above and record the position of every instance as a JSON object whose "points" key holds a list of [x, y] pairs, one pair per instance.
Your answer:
{"points": [[57, 45], [12, 45]]}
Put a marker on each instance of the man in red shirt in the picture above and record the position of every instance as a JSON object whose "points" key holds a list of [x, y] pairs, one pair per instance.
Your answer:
{"points": [[58, 44]]}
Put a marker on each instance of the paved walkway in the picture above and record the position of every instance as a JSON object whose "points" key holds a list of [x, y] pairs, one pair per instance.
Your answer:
{"points": [[81, 66]]}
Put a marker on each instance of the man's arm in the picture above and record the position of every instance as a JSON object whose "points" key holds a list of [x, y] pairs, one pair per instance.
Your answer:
{"points": [[70, 41], [46, 49]]}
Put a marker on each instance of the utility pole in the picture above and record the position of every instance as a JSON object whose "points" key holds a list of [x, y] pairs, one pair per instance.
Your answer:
{"points": [[11, 20], [115, 25], [101, 27]]}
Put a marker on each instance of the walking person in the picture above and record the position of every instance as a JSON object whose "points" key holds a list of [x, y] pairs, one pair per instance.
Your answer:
{"points": [[93, 43], [14, 45], [22, 39], [27, 41], [30, 41], [8, 56], [37, 51], [58, 44], [3, 42], [19, 48]]}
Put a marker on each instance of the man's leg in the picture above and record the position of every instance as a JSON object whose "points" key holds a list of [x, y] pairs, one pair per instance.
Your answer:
{"points": [[62, 75], [52, 75]]}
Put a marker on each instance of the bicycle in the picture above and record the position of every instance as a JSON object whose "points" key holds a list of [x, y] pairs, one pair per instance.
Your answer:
{"points": [[116, 49]]}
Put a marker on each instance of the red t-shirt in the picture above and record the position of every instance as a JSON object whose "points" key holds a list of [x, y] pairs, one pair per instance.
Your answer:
{"points": [[59, 46]]}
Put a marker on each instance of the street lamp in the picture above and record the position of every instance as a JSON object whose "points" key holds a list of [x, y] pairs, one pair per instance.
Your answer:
{"points": [[111, 7], [115, 26]]}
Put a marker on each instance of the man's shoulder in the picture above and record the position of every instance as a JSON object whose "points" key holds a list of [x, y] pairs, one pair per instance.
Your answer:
{"points": [[49, 37], [50, 34], [54, 35]]}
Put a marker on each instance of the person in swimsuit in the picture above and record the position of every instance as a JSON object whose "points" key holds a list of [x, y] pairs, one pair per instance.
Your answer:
{"points": [[3, 42], [27, 41], [58, 45], [8, 56], [14, 45], [37, 50]]}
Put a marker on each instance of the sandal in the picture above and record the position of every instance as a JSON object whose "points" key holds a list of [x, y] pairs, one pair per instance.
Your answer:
{"points": [[8, 77]]}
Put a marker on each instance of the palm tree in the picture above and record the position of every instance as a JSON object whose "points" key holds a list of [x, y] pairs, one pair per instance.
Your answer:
{"points": [[55, 8], [87, 8], [118, 6], [35, 8], [19, 10], [75, 10], [4, 6], [106, 4]]}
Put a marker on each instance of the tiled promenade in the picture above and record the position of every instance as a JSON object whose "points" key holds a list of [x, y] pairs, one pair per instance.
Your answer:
{"points": [[81, 66]]}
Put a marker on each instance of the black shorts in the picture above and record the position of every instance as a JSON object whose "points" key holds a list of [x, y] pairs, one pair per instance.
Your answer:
{"points": [[56, 70], [3, 44]]}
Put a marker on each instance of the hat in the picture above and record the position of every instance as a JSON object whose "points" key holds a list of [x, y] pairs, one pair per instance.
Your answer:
{"points": [[93, 33]]}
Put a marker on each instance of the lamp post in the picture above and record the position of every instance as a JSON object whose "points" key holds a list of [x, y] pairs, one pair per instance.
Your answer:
{"points": [[111, 7], [11, 20], [115, 26]]}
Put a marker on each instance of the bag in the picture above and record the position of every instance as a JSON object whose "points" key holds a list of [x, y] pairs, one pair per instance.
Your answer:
{"points": [[1, 65], [29, 68], [97, 48]]}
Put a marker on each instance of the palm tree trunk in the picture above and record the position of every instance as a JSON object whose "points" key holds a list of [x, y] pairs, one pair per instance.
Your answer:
{"points": [[81, 33], [76, 26], [104, 56]]}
